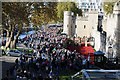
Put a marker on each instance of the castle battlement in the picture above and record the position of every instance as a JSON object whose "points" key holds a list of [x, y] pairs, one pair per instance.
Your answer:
{"points": [[82, 18], [110, 16], [93, 12], [86, 16], [116, 9]]}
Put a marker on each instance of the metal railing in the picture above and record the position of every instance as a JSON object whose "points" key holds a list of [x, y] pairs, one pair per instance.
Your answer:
{"points": [[98, 74], [114, 60]]}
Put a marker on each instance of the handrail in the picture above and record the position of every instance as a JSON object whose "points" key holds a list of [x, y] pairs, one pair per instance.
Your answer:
{"points": [[117, 75], [82, 71], [76, 74], [99, 71]]}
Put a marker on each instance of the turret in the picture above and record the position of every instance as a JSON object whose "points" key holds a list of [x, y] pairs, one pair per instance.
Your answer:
{"points": [[116, 12], [69, 23], [116, 9]]}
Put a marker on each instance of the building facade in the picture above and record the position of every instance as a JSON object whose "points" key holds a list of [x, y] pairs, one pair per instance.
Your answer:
{"points": [[87, 5]]}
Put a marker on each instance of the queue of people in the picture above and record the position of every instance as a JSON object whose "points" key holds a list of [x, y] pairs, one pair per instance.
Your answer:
{"points": [[48, 59]]}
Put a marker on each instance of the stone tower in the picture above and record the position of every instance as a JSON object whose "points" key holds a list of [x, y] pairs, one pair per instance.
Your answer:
{"points": [[113, 32], [116, 14], [69, 23]]}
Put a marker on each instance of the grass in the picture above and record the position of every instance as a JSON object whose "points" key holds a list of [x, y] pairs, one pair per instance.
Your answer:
{"points": [[66, 74], [65, 78]]}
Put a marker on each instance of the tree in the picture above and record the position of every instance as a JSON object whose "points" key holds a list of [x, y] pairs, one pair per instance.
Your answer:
{"points": [[67, 6], [108, 7], [43, 13], [79, 12], [14, 16]]}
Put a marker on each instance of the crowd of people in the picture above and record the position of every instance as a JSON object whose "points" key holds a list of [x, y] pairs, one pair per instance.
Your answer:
{"points": [[49, 57]]}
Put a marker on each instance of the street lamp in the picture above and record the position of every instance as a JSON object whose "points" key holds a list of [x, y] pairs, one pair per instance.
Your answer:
{"points": [[44, 11], [1, 30], [1, 33], [110, 52]]}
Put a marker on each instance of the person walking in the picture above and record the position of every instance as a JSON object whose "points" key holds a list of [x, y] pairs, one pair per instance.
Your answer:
{"points": [[88, 61], [84, 63]]}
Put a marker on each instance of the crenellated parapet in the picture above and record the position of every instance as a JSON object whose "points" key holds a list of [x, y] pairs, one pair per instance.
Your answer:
{"points": [[87, 16], [116, 9], [110, 16], [82, 18]]}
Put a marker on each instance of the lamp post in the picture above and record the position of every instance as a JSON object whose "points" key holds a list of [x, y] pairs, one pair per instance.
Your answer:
{"points": [[1, 33], [44, 14], [86, 41], [110, 52]]}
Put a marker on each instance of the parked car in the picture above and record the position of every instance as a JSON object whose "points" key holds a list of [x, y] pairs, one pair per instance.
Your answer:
{"points": [[14, 53], [28, 52]]}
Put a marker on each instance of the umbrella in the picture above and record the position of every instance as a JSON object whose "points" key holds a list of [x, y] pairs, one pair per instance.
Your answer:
{"points": [[85, 50], [21, 45], [99, 53]]}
